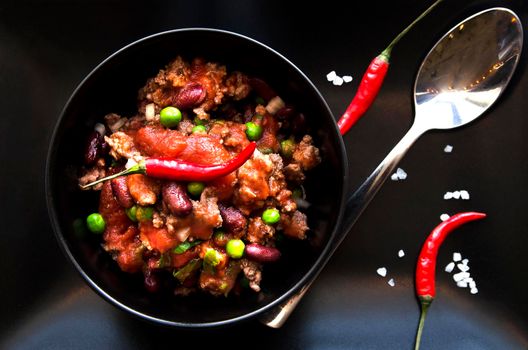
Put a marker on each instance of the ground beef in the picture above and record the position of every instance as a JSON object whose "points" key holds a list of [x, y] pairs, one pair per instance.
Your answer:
{"points": [[259, 232], [295, 225], [306, 154], [205, 216], [143, 189], [122, 146], [98, 171], [253, 272]]}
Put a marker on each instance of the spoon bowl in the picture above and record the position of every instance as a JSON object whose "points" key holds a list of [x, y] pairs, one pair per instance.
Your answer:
{"points": [[468, 69], [461, 77]]}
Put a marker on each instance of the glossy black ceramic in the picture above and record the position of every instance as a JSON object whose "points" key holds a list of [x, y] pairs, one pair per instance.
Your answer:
{"points": [[113, 87]]}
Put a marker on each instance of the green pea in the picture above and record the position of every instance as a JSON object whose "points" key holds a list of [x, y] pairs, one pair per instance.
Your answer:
{"points": [[198, 121], [170, 117], [212, 257], [260, 101], [132, 213], [235, 248], [195, 188], [144, 213], [199, 129], [95, 223], [253, 131], [271, 216], [287, 147]]}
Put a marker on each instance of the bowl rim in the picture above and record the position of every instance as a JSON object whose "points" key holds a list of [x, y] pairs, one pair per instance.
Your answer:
{"points": [[50, 201]]}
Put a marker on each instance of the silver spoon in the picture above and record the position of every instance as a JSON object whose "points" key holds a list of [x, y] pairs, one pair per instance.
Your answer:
{"points": [[461, 77]]}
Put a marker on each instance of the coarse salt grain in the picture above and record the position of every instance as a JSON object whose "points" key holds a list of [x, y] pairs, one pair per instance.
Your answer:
{"points": [[382, 271], [448, 195], [401, 253], [457, 257], [402, 175], [347, 78], [444, 217], [331, 76], [460, 276], [473, 291], [465, 261], [463, 267], [472, 284], [456, 195], [338, 81], [448, 149], [391, 282], [449, 268], [462, 284], [464, 194], [394, 177]]}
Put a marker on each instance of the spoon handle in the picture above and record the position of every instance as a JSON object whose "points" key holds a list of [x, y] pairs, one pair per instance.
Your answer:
{"points": [[354, 206]]}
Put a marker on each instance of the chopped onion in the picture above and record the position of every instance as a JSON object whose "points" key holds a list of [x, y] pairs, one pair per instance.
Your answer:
{"points": [[274, 105]]}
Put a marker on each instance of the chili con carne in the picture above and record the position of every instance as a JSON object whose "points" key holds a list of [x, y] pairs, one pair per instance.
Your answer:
{"points": [[373, 79], [425, 269], [173, 169]]}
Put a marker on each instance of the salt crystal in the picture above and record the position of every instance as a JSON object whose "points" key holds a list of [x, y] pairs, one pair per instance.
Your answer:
{"points": [[448, 195], [462, 284], [402, 175], [338, 81], [465, 261], [464, 194], [382, 271], [449, 268], [331, 76], [347, 78], [456, 195], [401, 253], [457, 277], [473, 291], [457, 257], [391, 282], [463, 267], [444, 217], [448, 149], [472, 284], [394, 177]]}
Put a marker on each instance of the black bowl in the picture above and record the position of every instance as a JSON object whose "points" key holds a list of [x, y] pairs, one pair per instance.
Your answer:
{"points": [[112, 87]]}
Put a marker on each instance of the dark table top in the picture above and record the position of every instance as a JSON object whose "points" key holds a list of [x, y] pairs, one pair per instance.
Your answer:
{"points": [[47, 47]]}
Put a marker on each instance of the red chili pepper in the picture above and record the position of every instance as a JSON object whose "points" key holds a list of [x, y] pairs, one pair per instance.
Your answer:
{"points": [[173, 169], [425, 269], [372, 80]]}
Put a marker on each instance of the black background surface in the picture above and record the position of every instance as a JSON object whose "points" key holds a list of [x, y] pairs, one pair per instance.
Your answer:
{"points": [[46, 48]]}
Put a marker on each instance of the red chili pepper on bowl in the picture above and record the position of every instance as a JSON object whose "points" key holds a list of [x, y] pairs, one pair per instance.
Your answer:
{"points": [[372, 80], [426, 266], [173, 169]]}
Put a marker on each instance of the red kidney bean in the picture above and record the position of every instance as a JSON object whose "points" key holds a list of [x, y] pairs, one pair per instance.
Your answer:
{"points": [[262, 88], [233, 219], [299, 124], [93, 148], [260, 253], [151, 281], [285, 112], [121, 192], [190, 96], [176, 199]]}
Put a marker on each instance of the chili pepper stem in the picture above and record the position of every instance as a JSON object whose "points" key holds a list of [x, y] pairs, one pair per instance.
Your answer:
{"points": [[387, 52], [138, 168], [424, 305]]}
